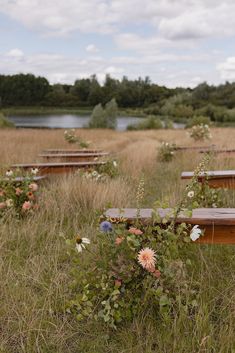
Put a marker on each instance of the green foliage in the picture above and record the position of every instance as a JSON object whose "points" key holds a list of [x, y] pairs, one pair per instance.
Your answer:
{"points": [[102, 172], [104, 118], [200, 132], [166, 152], [199, 120], [151, 122], [5, 123]]}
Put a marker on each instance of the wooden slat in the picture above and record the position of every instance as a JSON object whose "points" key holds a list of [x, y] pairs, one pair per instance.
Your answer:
{"points": [[217, 151], [189, 148], [71, 151], [73, 157], [57, 168], [218, 223], [215, 179]]}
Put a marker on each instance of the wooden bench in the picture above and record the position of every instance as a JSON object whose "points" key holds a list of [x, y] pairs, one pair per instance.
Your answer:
{"points": [[63, 151], [217, 151], [57, 168], [73, 157], [218, 223], [194, 148], [215, 179]]}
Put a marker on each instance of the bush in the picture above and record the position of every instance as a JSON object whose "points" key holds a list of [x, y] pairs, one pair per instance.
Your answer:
{"points": [[166, 152], [200, 132], [5, 123], [199, 120], [104, 118], [150, 123]]}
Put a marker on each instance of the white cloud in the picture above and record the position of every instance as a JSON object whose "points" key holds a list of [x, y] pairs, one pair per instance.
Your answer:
{"points": [[15, 53], [91, 48], [227, 69], [175, 19]]}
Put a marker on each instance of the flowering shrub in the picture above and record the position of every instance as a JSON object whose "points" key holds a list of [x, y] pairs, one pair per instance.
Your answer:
{"points": [[166, 151], [17, 196], [200, 132], [102, 172], [71, 137]]}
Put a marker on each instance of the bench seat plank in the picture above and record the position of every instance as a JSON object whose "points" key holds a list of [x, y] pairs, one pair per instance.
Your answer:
{"points": [[57, 168], [215, 179], [189, 148], [52, 151], [73, 156], [218, 223], [217, 151]]}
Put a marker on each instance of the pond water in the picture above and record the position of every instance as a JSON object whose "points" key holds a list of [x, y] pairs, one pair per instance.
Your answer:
{"points": [[65, 121], [68, 121]]}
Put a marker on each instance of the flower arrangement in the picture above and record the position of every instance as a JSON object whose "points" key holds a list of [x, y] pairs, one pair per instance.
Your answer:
{"points": [[137, 267], [18, 197], [71, 137], [200, 132], [166, 151]]}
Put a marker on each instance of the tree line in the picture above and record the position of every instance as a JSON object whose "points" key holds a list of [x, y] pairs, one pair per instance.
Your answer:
{"points": [[217, 102]]}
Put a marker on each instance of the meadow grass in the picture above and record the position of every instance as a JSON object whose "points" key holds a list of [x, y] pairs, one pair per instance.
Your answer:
{"points": [[35, 269]]}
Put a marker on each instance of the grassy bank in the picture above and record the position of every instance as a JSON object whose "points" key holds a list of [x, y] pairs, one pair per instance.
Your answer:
{"points": [[35, 277]]}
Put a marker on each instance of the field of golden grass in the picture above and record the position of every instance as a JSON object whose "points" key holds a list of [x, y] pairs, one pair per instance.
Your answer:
{"points": [[35, 268]]}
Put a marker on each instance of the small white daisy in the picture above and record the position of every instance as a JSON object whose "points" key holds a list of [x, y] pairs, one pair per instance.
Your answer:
{"points": [[191, 194], [34, 171], [9, 173], [195, 233], [115, 164], [81, 243]]}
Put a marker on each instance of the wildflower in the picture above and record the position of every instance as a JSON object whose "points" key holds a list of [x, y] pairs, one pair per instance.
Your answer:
{"points": [[119, 240], [9, 203], [2, 192], [118, 283], [9, 173], [2, 205], [106, 227], [94, 174], [115, 164], [30, 195], [195, 233], [34, 171], [33, 187], [191, 194], [157, 273], [135, 231], [26, 205], [80, 243], [147, 258], [18, 191]]}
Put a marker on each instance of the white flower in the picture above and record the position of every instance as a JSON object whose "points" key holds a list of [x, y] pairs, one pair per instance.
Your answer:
{"points": [[34, 171], [9, 173], [195, 233], [94, 174], [81, 243], [9, 203], [190, 194], [115, 164]]}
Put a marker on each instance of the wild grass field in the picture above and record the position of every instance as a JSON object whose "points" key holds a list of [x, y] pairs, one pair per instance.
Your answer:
{"points": [[35, 269]]}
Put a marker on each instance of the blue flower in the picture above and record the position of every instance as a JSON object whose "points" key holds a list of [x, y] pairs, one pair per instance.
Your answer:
{"points": [[106, 227]]}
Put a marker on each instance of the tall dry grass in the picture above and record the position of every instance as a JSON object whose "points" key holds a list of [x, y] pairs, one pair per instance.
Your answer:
{"points": [[35, 268]]}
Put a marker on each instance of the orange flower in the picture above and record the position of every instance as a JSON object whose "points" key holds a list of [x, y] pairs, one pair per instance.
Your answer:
{"points": [[18, 191], [26, 205], [147, 258], [33, 187], [119, 240], [135, 231], [30, 195]]}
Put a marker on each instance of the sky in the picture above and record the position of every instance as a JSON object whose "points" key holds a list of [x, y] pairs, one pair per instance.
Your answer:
{"points": [[174, 42]]}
